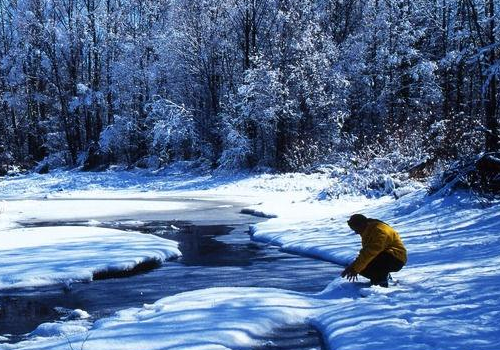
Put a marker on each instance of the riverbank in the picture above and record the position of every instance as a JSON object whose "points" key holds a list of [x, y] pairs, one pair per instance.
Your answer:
{"points": [[446, 298]]}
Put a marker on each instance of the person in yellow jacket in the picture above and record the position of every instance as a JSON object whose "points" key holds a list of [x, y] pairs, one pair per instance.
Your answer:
{"points": [[382, 251]]}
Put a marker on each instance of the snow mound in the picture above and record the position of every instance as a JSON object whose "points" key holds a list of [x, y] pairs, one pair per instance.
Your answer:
{"points": [[52, 255], [56, 329], [209, 319], [258, 213]]}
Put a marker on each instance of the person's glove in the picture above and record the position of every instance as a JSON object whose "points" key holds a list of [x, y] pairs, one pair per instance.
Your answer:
{"points": [[350, 273]]}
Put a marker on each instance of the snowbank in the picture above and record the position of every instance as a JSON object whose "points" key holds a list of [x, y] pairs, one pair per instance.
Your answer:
{"points": [[51, 255], [210, 319], [447, 297], [81, 209], [125, 184]]}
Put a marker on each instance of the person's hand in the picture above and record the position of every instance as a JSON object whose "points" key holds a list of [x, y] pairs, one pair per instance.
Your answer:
{"points": [[350, 274]]}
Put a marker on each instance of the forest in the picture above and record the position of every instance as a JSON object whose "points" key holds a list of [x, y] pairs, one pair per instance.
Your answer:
{"points": [[247, 84]]}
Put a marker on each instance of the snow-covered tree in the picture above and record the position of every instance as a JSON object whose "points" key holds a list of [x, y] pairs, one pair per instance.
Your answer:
{"points": [[270, 83]]}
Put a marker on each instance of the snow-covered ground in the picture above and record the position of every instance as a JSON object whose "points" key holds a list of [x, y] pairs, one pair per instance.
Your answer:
{"points": [[447, 297], [50, 255]]}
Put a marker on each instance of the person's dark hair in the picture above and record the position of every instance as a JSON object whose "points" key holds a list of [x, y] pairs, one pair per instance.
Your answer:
{"points": [[360, 219], [357, 220]]}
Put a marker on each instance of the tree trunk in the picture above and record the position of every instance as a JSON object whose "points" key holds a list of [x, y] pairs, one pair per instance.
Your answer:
{"points": [[491, 121]]}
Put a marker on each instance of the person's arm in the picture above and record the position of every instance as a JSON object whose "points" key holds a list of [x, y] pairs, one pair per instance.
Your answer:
{"points": [[376, 243]]}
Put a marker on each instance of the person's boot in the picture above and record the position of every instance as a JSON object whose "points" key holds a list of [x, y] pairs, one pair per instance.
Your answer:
{"points": [[382, 283]]}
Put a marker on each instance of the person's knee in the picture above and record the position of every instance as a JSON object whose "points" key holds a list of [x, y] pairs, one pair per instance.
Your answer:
{"points": [[397, 266]]}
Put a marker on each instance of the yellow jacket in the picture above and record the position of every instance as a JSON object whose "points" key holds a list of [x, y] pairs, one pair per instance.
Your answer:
{"points": [[376, 238]]}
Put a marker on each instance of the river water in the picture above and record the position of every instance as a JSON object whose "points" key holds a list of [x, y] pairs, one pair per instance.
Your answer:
{"points": [[216, 253]]}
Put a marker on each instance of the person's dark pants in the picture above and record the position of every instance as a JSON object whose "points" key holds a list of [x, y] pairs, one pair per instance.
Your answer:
{"points": [[378, 269]]}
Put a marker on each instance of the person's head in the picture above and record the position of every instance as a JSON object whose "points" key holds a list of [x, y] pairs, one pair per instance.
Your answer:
{"points": [[357, 223]]}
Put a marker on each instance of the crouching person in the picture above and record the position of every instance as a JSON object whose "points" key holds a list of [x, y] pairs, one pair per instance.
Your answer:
{"points": [[382, 251]]}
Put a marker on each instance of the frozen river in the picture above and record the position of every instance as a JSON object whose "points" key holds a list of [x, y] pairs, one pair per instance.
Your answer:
{"points": [[216, 252]]}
